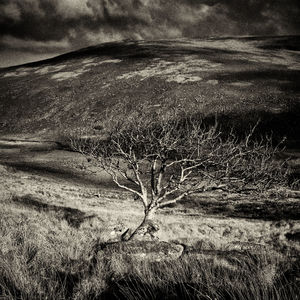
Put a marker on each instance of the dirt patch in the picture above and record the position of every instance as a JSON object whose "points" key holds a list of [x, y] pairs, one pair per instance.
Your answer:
{"points": [[58, 173], [106, 86]]}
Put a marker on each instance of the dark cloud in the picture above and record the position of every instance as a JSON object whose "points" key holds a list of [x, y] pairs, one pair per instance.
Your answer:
{"points": [[53, 25], [264, 17]]}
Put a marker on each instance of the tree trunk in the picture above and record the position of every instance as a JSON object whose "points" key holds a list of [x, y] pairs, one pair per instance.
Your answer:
{"points": [[146, 229]]}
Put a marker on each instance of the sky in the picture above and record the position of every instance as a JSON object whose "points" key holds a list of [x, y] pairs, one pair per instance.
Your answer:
{"points": [[36, 29]]}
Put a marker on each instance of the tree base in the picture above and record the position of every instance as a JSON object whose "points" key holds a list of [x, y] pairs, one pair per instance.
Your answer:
{"points": [[145, 232]]}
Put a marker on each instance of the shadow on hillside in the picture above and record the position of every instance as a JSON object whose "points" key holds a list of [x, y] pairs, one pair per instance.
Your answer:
{"points": [[286, 80], [73, 216], [135, 50], [285, 124], [267, 210], [132, 49], [57, 172], [282, 43]]}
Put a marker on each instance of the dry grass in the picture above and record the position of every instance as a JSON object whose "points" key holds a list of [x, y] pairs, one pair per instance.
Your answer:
{"points": [[43, 257], [247, 277]]}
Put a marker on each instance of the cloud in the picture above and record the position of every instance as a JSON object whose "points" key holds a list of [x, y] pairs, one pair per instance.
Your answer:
{"points": [[10, 11], [257, 17], [55, 19], [78, 23], [70, 9], [10, 42]]}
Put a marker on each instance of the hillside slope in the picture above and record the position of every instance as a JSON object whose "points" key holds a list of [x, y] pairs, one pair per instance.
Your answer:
{"points": [[246, 78]]}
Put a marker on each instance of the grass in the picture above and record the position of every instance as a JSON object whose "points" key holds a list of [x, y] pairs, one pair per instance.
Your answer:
{"points": [[43, 257], [255, 277]]}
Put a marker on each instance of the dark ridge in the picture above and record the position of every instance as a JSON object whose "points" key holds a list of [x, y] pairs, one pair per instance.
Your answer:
{"points": [[132, 49], [58, 173], [280, 78], [267, 210], [285, 124], [129, 50], [257, 38], [282, 43]]}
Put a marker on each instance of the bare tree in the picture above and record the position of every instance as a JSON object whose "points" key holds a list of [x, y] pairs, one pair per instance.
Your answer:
{"points": [[161, 160]]}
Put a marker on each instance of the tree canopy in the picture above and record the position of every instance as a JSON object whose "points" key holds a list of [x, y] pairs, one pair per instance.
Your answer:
{"points": [[163, 158]]}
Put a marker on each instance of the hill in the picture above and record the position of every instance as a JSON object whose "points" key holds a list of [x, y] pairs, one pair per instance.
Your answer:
{"points": [[245, 78]]}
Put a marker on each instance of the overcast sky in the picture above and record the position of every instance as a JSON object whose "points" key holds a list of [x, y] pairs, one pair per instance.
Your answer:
{"points": [[36, 29]]}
